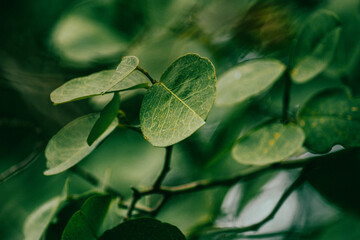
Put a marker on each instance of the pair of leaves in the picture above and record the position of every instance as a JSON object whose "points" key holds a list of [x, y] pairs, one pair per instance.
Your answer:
{"points": [[315, 46], [125, 77], [331, 117]]}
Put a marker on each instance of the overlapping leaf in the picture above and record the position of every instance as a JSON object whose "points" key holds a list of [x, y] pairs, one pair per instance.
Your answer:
{"points": [[331, 117], [178, 105], [247, 80], [268, 144], [125, 77], [69, 145], [315, 46]]}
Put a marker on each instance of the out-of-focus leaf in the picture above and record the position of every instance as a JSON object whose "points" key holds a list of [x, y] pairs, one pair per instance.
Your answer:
{"points": [[315, 46], [144, 229], [268, 144], [69, 145], [178, 105], [331, 117], [125, 77], [107, 116], [86, 223], [247, 80]]}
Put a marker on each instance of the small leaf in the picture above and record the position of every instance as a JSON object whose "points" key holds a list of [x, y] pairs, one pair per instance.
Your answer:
{"points": [[178, 105], [144, 229], [247, 80], [315, 46], [107, 116], [331, 117], [86, 223], [269, 144], [69, 146], [125, 77]]}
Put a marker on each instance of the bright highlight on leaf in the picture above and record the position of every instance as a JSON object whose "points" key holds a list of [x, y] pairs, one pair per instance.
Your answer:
{"points": [[331, 117], [247, 80], [269, 144], [144, 229], [178, 105], [315, 46], [69, 146], [125, 77], [107, 116]]}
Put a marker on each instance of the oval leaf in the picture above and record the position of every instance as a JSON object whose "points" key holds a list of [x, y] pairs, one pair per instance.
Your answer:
{"points": [[315, 46], [331, 117], [178, 105], [248, 79], [86, 223], [269, 144], [125, 77], [107, 116], [69, 146], [144, 229]]}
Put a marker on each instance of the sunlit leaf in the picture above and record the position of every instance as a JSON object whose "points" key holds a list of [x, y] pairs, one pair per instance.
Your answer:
{"points": [[315, 46], [331, 117], [125, 77], [69, 145], [178, 105], [107, 116], [248, 79], [144, 229], [271, 143], [86, 223]]}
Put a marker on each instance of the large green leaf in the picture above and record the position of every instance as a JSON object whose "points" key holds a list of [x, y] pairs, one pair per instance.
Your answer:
{"points": [[178, 105], [86, 223], [268, 144], [315, 46], [248, 79], [69, 145], [144, 229], [331, 117], [107, 116], [125, 77]]}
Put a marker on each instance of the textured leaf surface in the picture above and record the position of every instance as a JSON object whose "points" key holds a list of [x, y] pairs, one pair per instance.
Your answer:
{"points": [[178, 105], [248, 79], [86, 223], [315, 46], [331, 117], [107, 116], [271, 143], [144, 229], [125, 77], [69, 145]]}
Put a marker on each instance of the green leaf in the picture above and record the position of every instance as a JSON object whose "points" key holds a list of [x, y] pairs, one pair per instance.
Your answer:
{"points": [[69, 145], [86, 223], [247, 80], [331, 117], [178, 105], [107, 116], [144, 229], [269, 144], [125, 77], [315, 46]]}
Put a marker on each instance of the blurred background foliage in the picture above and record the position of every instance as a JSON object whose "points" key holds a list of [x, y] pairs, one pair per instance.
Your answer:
{"points": [[46, 43]]}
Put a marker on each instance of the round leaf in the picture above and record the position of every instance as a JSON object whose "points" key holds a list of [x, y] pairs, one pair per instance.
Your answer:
{"points": [[178, 105], [247, 80], [331, 117], [269, 144], [315, 46], [125, 77], [144, 229], [69, 146]]}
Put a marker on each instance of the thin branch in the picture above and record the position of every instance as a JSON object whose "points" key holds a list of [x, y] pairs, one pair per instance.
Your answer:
{"points": [[165, 169], [153, 81], [12, 171], [135, 199], [286, 97]]}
